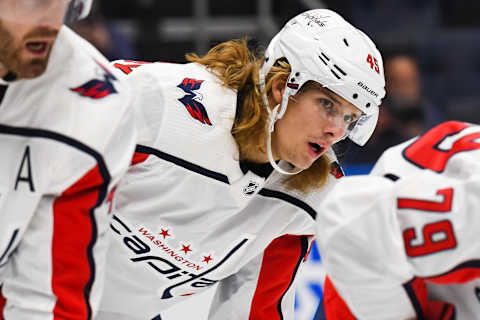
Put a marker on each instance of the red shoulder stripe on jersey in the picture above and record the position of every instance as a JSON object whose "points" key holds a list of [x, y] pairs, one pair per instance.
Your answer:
{"points": [[462, 273], [335, 307], [182, 163], [280, 263], [425, 153], [74, 235]]}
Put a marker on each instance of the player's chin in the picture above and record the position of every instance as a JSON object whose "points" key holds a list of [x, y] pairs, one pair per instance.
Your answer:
{"points": [[303, 164], [33, 68]]}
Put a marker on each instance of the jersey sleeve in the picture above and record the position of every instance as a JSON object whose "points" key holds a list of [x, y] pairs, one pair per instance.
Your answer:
{"points": [[264, 288], [148, 98], [57, 268], [333, 306], [361, 250], [381, 240]]}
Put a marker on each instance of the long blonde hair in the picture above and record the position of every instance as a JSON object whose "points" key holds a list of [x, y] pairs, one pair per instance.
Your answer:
{"points": [[238, 69]]}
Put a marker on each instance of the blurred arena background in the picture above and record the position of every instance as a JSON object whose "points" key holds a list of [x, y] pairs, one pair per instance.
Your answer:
{"points": [[431, 52]]}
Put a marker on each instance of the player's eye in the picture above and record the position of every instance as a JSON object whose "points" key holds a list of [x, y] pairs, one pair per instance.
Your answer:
{"points": [[326, 104]]}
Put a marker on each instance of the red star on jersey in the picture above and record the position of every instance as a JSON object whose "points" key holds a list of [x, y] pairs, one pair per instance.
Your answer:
{"points": [[186, 249], [165, 233], [207, 259]]}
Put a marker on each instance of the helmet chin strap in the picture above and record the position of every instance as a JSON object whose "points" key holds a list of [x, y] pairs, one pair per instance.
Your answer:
{"points": [[273, 117]]}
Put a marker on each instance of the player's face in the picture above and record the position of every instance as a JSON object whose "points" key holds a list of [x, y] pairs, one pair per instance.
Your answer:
{"points": [[28, 29], [315, 119]]}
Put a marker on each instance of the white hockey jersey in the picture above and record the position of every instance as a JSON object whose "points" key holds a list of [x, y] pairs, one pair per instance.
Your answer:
{"points": [[66, 137], [413, 222], [187, 215]]}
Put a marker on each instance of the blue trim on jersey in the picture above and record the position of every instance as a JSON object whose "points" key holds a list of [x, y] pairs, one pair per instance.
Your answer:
{"points": [[467, 264], [391, 176], [223, 178], [182, 163], [288, 198]]}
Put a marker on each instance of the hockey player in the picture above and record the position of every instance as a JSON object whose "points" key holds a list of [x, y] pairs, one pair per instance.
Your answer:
{"points": [[402, 243], [233, 161], [66, 136]]}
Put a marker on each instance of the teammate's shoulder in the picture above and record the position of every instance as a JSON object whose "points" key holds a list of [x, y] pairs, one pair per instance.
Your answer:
{"points": [[84, 97], [82, 78], [166, 74], [440, 149]]}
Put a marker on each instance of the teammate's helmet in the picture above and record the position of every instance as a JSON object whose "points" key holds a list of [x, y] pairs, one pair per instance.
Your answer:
{"points": [[78, 9], [321, 46]]}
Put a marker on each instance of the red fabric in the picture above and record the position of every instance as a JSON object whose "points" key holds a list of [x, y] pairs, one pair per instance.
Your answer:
{"points": [[439, 310], [138, 158], [424, 153], [432, 310], [127, 69], [433, 206], [337, 309], [73, 234], [459, 276], [3, 301], [419, 287], [278, 267], [335, 306]]}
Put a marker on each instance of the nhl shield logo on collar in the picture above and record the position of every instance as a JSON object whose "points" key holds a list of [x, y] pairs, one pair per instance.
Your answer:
{"points": [[251, 188]]}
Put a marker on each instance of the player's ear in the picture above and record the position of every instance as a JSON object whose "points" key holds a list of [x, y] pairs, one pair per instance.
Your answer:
{"points": [[278, 87]]}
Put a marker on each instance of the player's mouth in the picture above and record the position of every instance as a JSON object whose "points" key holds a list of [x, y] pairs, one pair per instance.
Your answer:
{"points": [[38, 48], [316, 149]]}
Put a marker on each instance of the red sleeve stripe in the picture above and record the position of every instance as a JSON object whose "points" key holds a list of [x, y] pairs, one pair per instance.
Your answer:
{"points": [[74, 236], [462, 273], [280, 263], [417, 292], [334, 307], [3, 301], [448, 312]]}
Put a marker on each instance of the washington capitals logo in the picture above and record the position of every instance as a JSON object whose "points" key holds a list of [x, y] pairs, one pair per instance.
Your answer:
{"points": [[336, 170], [98, 89], [191, 100]]}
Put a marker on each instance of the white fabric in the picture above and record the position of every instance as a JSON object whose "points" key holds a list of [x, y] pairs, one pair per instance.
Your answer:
{"points": [[49, 135], [360, 233], [229, 222]]}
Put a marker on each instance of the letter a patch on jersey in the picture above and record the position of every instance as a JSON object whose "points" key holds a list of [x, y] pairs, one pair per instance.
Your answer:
{"points": [[191, 100], [98, 88]]}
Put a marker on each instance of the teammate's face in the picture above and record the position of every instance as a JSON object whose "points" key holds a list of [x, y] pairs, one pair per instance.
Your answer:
{"points": [[315, 119], [28, 29]]}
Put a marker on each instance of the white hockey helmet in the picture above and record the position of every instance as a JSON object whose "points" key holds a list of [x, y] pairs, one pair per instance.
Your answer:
{"points": [[31, 12], [79, 9], [321, 46]]}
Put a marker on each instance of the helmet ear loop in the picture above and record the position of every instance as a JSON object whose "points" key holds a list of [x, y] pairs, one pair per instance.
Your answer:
{"points": [[71, 14]]}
